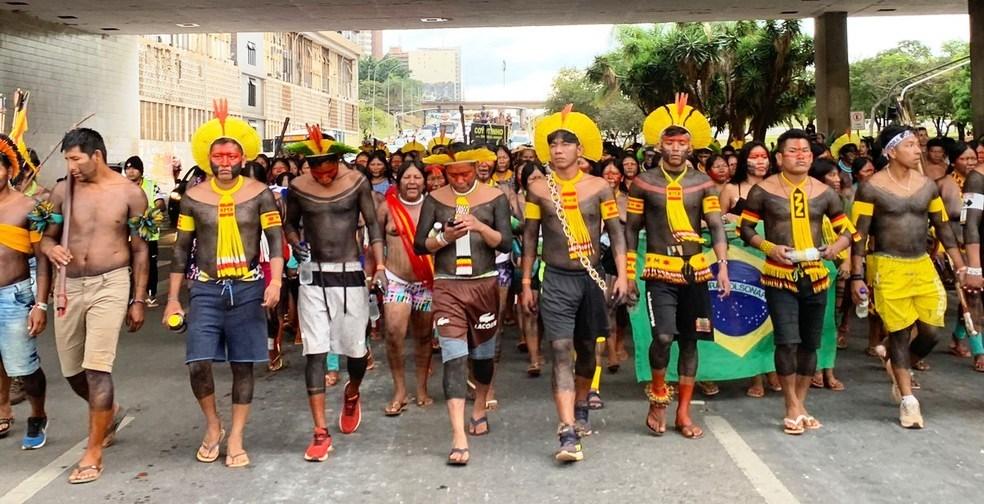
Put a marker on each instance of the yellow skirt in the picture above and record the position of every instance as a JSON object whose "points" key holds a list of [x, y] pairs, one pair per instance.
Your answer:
{"points": [[906, 290]]}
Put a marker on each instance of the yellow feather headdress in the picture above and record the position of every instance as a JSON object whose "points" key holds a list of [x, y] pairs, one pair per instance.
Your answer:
{"points": [[468, 156], [678, 114], [223, 126], [577, 123], [845, 139]]}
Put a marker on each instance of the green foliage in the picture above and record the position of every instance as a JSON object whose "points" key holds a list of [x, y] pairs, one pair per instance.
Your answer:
{"points": [[382, 69], [386, 84], [618, 118], [747, 76], [571, 86], [944, 100], [385, 124]]}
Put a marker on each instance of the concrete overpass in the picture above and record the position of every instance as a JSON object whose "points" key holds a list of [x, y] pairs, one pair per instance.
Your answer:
{"points": [[478, 105], [44, 19]]}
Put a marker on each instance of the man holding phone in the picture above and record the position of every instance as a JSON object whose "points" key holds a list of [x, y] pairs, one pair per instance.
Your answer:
{"points": [[471, 221]]}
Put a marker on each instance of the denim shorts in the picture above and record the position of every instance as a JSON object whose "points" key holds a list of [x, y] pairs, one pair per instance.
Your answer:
{"points": [[226, 322], [18, 349]]}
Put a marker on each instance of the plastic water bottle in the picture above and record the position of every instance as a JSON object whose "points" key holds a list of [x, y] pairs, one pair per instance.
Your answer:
{"points": [[798, 256], [373, 305], [305, 273], [861, 310]]}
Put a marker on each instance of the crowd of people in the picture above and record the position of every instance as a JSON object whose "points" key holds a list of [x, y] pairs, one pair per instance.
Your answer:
{"points": [[448, 243]]}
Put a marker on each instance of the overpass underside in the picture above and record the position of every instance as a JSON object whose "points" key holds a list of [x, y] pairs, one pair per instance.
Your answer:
{"points": [[78, 57]]}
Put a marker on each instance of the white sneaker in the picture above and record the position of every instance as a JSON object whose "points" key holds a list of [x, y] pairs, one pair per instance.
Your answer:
{"points": [[910, 415]]}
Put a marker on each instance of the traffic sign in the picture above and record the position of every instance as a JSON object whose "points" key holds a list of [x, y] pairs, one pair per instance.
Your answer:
{"points": [[857, 120]]}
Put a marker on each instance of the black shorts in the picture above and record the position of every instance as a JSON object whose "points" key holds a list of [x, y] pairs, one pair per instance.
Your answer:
{"points": [[572, 305], [681, 310], [797, 317]]}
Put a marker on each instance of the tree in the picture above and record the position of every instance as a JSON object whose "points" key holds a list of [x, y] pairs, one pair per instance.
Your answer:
{"points": [[746, 76], [381, 70], [943, 100], [618, 118], [571, 86], [377, 122]]}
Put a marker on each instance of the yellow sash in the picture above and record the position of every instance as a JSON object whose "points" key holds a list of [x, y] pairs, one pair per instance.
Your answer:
{"points": [[230, 255], [799, 212], [579, 240], [676, 211], [18, 238]]}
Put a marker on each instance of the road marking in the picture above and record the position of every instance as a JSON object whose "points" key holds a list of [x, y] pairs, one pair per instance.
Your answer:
{"points": [[758, 473], [37, 481]]}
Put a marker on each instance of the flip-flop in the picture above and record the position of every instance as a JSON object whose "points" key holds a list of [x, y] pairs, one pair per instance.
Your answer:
{"points": [[814, 383], [921, 365], [238, 460], [110, 437], [492, 404], [690, 431], [978, 365], [793, 427], [958, 351], [533, 370], [461, 461], [473, 426], [6, 423], [85, 474], [811, 423], [654, 430], [756, 393], [204, 451], [594, 400], [423, 403], [331, 379], [395, 408], [709, 389], [835, 385]]}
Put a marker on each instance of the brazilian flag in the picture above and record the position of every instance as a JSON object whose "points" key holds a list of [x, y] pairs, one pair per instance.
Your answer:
{"points": [[742, 344]]}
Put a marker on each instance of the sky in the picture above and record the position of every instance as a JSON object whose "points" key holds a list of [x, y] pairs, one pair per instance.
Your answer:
{"points": [[534, 55]]}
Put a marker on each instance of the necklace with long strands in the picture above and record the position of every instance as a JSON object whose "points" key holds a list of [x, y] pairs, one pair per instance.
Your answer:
{"points": [[908, 180]]}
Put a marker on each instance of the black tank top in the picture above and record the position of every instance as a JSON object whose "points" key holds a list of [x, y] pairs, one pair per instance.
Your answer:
{"points": [[739, 205]]}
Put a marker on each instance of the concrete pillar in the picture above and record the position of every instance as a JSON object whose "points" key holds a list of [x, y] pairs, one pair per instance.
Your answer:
{"points": [[833, 74], [976, 10]]}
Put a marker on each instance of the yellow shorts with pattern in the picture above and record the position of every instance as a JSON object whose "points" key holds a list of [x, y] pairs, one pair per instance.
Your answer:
{"points": [[907, 290]]}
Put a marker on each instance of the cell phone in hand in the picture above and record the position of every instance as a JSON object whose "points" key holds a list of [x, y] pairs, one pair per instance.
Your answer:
{"points": [[452, 222]]}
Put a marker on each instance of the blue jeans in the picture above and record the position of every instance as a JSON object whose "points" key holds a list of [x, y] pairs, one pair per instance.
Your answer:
{"points": [[18, 349]]}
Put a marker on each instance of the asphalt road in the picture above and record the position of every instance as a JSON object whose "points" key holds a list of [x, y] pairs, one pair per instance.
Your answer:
{"points": [[860, 455]]}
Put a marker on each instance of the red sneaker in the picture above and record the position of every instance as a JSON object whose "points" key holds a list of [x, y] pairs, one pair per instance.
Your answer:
{"points": [[351, 415], [320, 446]]}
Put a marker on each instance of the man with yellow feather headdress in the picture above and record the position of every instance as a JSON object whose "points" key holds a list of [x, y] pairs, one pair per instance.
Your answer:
{"points": [[470, 223], [226, 320], [670, 201], [570, 207]]}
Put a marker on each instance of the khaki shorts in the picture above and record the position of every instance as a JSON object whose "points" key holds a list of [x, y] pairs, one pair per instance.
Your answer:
{"points": [[87, 335]]}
